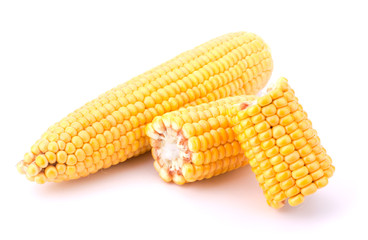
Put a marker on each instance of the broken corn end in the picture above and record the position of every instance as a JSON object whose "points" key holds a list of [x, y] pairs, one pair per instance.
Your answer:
{"points": [[284, 150], [196, 143]]}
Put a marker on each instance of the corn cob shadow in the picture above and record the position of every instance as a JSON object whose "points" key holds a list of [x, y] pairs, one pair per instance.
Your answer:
{"points": [[238, 192], [111, 128]]}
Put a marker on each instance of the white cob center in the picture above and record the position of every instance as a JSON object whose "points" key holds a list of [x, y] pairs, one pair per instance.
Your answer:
{"points": [[172, 152]]}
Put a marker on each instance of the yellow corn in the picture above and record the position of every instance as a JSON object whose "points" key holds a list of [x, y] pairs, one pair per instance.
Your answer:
{"points": [[283, 149], [196, 142], [110, 129]]}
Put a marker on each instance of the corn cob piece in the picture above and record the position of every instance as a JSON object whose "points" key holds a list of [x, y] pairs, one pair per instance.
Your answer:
{"points": [[283, 149], [196, 142], [110, 129]]}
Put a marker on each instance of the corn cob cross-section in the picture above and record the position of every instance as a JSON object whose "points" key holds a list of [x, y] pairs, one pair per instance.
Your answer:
{"points": [[110, 128], [197, 142], [283, 149]]}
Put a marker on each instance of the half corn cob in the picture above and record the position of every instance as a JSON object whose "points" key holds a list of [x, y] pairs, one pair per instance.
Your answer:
{"points": [[196, 142], [110, 129], [283, 149]]}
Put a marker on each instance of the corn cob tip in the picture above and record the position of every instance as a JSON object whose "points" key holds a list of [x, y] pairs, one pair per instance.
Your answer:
{"points": [[284, 150]]}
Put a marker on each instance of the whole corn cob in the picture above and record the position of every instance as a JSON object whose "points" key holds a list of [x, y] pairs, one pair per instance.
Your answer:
{"points": [[197, 142], [110, 129], [283, 149]]}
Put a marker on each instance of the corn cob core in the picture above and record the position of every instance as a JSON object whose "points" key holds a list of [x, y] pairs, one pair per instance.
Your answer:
{"points": [[283, 149], [110, 129], [197, 142]]}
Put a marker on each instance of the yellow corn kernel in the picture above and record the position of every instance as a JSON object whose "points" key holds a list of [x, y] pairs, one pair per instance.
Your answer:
{"points": [[269, 110], [51, 172], [281, 167], [287, 120], [53, 147], [299, 173], [314, 166], [309, 133], [33, 170], [280, 102], [269, 173], [296, 134], [40, 178], [28, 157], [264, 100], [305, 150], [291, 127], [309, 158], [276, 159], [245, 123], [253, 110], [279, 197], [296, 165], [286, 150], [298, 116], [283, 111], [51, 157], [282, 176], [270, 182], [61, 168], [300, 143], [272, 151], [286, 184], [250, 132], [278, 131], [273, 120], [254, 141], [294, 201], [257, 118], [71, 160], [274, 189], [267, 144], [276, 93], [317, 174], [265, 165], [69, 148], [314, 141], [321, 182], [261, 127], [194, 144], [292, 157], [283, 141], [310, 189], [265, 135], [71, 170], [292, 191], [304, 181], [41, 161]]}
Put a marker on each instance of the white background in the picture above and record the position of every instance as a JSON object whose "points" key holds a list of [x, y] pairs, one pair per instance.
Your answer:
{"points": [[57, 55]]}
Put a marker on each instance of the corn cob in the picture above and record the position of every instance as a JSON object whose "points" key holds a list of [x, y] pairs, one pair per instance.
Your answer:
{"points": [[196, 142], [283, 149], [110, 129]]}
